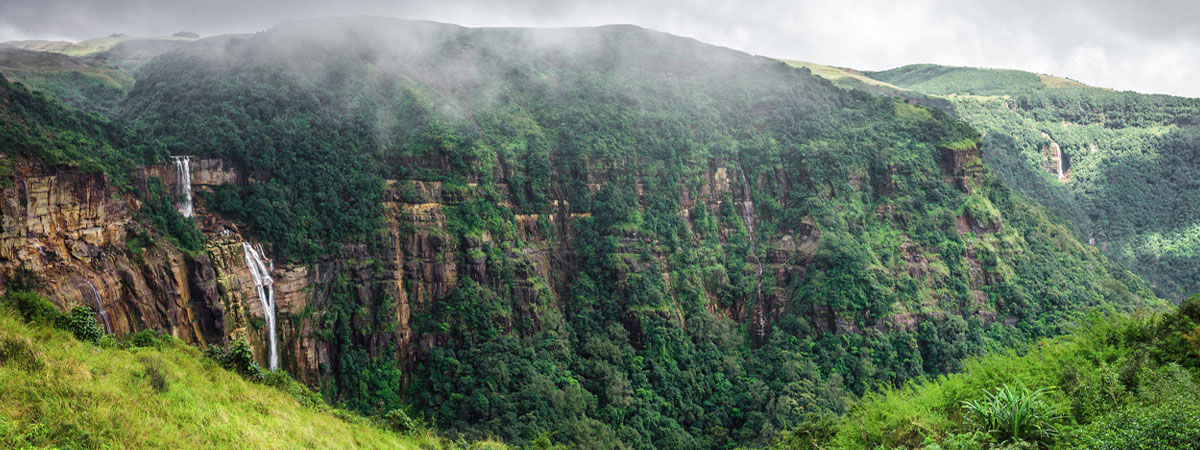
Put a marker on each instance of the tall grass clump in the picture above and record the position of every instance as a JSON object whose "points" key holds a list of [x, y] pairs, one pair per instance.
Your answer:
{"points": [[1008, 415]]}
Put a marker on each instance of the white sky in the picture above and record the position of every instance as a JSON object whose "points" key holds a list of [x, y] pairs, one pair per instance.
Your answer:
{"points": [[1147, 46]]}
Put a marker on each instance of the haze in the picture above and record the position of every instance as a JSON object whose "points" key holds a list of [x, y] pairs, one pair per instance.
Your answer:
{"points": [[1144, 46]]}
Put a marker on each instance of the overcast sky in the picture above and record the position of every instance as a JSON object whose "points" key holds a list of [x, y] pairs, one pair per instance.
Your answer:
{"points": [[1147, 46]]}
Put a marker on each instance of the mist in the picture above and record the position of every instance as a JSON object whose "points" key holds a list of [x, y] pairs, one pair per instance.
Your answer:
{"points": [[1148, 47]]}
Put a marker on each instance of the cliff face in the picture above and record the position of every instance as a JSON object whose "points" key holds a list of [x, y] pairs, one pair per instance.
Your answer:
{"points": [[70, 230]]}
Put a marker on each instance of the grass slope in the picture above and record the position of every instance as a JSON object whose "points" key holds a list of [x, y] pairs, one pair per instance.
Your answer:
{"points": [[1115, 384], [56, 391], [945, 80], [86, 48]]}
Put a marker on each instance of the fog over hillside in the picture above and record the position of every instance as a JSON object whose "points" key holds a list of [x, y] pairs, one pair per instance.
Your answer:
{"points": [[1149, 47]]}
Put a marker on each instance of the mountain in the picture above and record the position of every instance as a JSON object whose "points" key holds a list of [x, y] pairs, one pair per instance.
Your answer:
{"points": [[92, 75], [604, 237], [1120, 166], [124, 52]]}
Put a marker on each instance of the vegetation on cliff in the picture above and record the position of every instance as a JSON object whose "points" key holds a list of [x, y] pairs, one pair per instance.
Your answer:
{"points": [[37, 128], [1129, 160]]}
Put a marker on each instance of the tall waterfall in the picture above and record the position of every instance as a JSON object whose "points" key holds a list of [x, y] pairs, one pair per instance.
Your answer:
{"points": [[184, 171], [108, 328], [260, 271]]}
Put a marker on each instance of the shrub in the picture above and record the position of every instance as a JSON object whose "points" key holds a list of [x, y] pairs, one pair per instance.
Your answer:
{"points": [[1009, 416], [397, 420], [34, 308], [237, 358], [82, 323], [147, 338]]}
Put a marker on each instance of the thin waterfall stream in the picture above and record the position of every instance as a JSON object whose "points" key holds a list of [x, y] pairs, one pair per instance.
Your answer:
{"points": [[260, 272]]}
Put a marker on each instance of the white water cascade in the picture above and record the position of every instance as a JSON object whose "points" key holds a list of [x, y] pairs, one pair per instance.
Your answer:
{"points": [[182, 167], [260, 271], [1058, 156], [108, 328]]}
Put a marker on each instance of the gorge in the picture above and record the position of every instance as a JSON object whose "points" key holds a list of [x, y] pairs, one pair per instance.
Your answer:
{"points": [[606, 237]]}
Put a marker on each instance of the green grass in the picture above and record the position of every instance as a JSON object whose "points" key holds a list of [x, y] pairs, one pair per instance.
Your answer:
{"points": [[58, 392], [1118, 382], [839, 75]]}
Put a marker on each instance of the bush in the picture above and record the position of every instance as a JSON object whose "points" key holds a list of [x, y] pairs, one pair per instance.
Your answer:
{"points": [[147, 338], [82, 323], [1011, 417], [397, 420], [34, 308], [237, 358]]}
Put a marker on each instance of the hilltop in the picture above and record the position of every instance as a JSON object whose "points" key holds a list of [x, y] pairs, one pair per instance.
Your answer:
{"points": [[87, 85]]}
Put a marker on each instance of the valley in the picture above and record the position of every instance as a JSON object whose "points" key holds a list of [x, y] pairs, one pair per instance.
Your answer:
{"points": [[598, 237]]}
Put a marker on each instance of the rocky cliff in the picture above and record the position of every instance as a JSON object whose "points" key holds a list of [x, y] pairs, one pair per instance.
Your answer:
{"points": [[69, 232]]}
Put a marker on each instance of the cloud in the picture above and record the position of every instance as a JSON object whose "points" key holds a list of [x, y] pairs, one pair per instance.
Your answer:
{"points": [[1148, 46]]}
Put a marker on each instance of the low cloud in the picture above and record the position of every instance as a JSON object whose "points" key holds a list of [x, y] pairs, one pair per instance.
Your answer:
{"points": [[1143, 46]]}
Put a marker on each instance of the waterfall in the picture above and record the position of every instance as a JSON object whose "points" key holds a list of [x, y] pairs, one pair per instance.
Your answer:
{"points": [[185, 184], [260, 271], [108, 328], [1058, 156]]}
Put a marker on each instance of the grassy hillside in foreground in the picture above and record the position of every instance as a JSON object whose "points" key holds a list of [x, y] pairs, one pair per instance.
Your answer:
{"points": [[1114, 384], [59, 392]]}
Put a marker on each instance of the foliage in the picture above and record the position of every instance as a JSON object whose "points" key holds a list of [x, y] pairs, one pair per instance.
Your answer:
{"points": [[160, 215], [1010, 416], [35, 127], [87, 86], [1124, 382], [81, 322], [1128, 159], [238, 358]]}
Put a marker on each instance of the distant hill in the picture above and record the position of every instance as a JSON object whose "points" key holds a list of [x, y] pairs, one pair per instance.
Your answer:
{"points": [[1120, 166], [944, 80], [124, 52], [84, 84]]}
